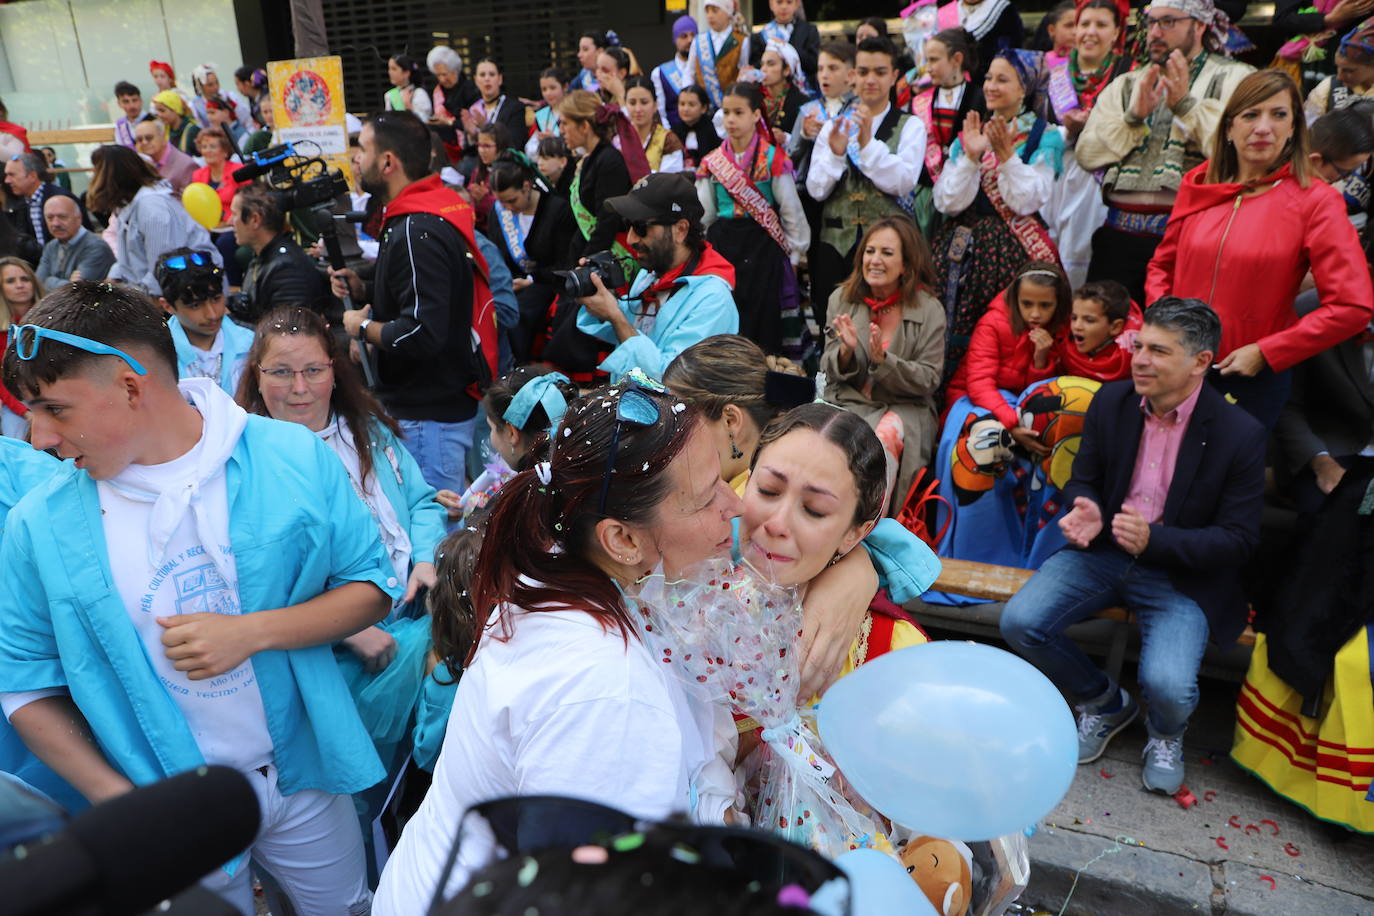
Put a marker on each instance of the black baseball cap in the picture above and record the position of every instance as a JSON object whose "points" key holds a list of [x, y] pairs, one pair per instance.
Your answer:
{"points": [[658, 197]]}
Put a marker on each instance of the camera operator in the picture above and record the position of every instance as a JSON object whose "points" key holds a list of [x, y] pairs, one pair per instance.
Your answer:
{"points": [[432, 355], [683, 294], [280, 274]]}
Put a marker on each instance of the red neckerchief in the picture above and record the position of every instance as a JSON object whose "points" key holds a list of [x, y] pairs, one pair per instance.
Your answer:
{"points": [[877, 306], [664, 283]]}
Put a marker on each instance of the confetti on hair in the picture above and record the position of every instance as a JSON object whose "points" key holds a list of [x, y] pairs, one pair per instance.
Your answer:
{"points": [[528, 872], [679, 407]]}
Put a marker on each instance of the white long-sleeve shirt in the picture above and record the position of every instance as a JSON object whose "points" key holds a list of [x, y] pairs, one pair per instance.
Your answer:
{"points": [[1026, 188], [894, 174]]}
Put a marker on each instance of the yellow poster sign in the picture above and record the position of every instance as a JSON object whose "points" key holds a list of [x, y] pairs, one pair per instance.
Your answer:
{"points": [[308, 102]]}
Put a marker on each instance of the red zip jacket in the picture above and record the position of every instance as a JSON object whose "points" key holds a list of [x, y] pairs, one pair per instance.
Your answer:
{"points": [[1247, 256], [997, 359]]}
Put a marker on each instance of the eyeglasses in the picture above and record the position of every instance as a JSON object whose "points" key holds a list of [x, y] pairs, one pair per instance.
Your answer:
{"points": [[27, 336], [533, 824], [284, 376], [185, 261], [634, 406], [1165, 23]]}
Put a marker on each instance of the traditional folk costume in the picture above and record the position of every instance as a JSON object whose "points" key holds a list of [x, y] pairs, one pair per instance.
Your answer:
{"points": [[994, 24], [717, 57], [1303, 722], [673, 75], [754, 219], [1076, 208], [993, 221], [942, 110], [663, 149]]}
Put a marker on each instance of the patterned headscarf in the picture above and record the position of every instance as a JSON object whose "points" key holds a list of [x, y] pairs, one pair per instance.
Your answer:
{"points": [[1358, 43], [1030, 70], [1204, 11]]}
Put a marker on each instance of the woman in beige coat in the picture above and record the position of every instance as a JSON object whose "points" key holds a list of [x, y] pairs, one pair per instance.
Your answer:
{"points": [[885, 345]]}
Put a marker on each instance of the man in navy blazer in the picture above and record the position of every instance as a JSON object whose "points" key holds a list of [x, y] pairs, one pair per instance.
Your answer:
{"points": [[1167, 491]]}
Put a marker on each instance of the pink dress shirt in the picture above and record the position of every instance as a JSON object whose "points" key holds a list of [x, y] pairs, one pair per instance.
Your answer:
{"points": [[1157, 455]]}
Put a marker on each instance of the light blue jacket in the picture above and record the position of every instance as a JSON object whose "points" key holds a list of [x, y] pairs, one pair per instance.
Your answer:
{"points": [[22, 468], [703, 308], [425, 521], [297, 528], [237, 340]]}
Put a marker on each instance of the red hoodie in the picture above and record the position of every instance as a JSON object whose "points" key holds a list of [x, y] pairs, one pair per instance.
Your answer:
{"points": [[1247, 256], [997, 359], [1109, 364]]}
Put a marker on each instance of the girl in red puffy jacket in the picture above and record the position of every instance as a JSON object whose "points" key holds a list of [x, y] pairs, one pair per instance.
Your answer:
{"points": [[1014, 347]]}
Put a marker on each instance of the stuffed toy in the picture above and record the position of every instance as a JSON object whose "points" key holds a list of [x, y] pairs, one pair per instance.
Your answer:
{"points": [[943, 869]]}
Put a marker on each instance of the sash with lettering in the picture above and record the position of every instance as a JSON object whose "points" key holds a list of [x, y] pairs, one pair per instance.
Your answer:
{"points": [[429, 195], [510, 232], [708, 64], [923, 107], [719, 164], [1029, 231]]}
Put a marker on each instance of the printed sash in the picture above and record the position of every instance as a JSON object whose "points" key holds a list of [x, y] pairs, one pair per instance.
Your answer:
{"points": [[923, 107], [510, 231], [706, 63], [1028, 230], [745, 195], [549, 122]]}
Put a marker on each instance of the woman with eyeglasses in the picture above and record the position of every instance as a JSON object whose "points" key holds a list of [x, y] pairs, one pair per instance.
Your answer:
{"points": [[152, 220], [297, 371], [560, 696], [20, 290], [1248, 227]]}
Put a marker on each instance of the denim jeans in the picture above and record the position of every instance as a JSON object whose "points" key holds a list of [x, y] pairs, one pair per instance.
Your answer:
{"points": [[441, 450], [1073, 585]]}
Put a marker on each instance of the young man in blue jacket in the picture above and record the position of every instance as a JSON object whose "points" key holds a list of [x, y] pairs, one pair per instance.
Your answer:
{"points": [[174, 589]]}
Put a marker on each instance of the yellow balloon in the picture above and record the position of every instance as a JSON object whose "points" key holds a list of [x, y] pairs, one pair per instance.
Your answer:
{"points": [[204, 205]]}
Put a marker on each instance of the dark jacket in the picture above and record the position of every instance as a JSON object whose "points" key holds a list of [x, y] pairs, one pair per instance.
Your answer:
{"points": [[1211, 519], [604, 176], [283, 274], [806, 38], [546, 246], [19, 213], [422, 289]]}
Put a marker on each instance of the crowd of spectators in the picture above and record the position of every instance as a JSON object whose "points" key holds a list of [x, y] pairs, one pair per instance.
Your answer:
{"points": [[1088, 292]]}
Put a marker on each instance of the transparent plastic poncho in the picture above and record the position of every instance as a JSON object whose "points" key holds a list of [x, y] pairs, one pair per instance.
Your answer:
{"points": [[730, 636]]}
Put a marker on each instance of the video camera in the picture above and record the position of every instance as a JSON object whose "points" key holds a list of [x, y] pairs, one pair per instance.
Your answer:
{"points": [[300, 182]]}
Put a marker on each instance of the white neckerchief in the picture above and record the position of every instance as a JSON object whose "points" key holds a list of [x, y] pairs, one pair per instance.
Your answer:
{"points": [[339, 437], [949, 97], [718, 39], [222, 423]]}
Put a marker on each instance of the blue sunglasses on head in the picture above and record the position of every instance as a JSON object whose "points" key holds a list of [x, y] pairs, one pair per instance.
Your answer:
{"points": [[635, 407], [27, 336]]}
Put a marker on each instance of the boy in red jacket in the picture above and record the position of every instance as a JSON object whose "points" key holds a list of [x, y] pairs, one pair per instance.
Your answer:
{"points": [[1096, 343]]}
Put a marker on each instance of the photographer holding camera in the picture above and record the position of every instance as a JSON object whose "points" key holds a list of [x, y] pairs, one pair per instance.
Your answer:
{"points": [[682, 295], [280, 273], [431, 319]]}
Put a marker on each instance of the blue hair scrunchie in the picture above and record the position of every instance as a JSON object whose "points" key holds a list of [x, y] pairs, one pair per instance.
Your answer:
{"points": [[541, 390]]}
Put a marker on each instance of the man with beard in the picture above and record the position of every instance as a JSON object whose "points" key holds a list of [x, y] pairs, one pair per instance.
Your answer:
{"points": [[681, 297], [280, 273], [430, 317], [1152, 125]]}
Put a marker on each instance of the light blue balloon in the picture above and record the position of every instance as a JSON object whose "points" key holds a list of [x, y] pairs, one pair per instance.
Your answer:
{"points": [[952, 739], [878, 886]]}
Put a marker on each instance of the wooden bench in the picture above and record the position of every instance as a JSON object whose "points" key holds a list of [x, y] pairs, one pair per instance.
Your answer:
{"points": [[1109, 634]]}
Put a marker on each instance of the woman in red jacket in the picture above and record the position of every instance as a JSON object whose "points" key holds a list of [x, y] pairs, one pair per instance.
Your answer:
{"points": [[1012, 348], [1247, 227]]}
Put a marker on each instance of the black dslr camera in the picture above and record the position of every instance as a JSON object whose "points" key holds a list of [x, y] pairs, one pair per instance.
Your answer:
{"points": [[577, 283]]}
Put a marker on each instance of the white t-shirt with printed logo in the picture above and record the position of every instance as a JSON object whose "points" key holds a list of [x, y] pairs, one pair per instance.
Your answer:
{"points": [[225, 713]]}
